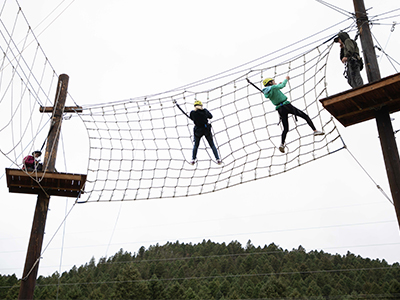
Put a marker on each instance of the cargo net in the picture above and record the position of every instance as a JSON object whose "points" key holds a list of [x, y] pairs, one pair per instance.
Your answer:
{"points": [[27, 82], [141, 148]]}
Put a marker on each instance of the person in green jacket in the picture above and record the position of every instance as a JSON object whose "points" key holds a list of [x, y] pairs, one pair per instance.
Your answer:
{"points": [[350, 56], [272, 91]]}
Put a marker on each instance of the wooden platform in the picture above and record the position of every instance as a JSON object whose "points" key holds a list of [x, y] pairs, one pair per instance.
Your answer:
{"points": [[57, 184], [358, 105]]}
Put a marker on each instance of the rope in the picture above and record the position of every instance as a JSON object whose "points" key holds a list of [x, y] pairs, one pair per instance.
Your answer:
{"points": [[63, 234], [338, 9], [383, 51], [115, 226], [370, 177], [323, 271], [244, 67], [243, 124], [26, 81], [51, 239]]}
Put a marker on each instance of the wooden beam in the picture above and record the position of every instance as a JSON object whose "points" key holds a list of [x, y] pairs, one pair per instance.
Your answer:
{"points": [[33, 255], [361, 91], [382, 116], [57, 184], [55, 175], [358, 105], [67, 109]]}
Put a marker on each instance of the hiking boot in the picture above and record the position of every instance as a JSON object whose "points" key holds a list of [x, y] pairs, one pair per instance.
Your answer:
{"points": [[192, 162], [219, 161], [282, 148]]}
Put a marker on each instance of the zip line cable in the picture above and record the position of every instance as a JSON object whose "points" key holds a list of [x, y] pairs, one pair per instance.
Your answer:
{"points": [[65, 223], [219, 75], [205, 257], [324, 271], [335, 8], [383, 51], [135, 260], [56, 17], [17, 58], [51, 239], [370, 177], [252, 216], [294, 229], [388, 12], [115, 226], [35, 39]]}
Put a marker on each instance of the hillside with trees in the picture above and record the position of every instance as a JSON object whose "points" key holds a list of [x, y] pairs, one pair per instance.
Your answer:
{"points": [[211, 270]]}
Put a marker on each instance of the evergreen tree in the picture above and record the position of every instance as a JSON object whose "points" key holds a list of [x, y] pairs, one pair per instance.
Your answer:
{"points": [[8, 286], [210, 270], [190, 294], [394, 288], [175, 291], [95, 294], [156, 289], [213, 288], [130, 285]]}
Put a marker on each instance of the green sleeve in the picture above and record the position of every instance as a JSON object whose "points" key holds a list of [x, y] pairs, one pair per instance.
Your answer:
{"points": [[281, 85]]}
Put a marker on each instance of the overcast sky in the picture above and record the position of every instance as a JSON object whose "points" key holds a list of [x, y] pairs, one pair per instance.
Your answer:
{"points": [[124, 49]]}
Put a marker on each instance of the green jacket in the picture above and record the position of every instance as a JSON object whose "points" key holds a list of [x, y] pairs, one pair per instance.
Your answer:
{"points": [[273, 92], [350, 47]]}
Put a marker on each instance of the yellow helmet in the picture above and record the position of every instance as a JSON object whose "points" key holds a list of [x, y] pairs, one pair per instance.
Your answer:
{"points": [[266, 80], [198, 102]]}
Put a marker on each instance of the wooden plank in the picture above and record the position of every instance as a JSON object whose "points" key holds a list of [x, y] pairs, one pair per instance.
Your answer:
{"points": [[360, 104], [67, 109], [34, 191], [57, 184], [360, 91], [71, 176]]}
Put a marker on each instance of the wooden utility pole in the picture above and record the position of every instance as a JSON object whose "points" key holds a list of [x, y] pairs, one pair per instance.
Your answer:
{"points": [[28, 281], [382, 116]]}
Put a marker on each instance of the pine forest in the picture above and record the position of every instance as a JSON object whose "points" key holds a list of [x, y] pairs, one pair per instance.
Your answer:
{"points": [[210, 270]]}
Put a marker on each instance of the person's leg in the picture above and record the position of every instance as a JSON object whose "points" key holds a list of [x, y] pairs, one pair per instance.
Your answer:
{"points": [[354, 76], [212, 145], [297, 112], [195, 146], [348, 75], [283, 113]]}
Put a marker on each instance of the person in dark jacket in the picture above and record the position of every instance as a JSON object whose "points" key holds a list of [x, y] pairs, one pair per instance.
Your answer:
{"points": [[200, 118], [350, 56]]}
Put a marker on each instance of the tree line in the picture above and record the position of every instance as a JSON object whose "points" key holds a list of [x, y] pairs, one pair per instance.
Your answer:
{"points": [[210, 270]]}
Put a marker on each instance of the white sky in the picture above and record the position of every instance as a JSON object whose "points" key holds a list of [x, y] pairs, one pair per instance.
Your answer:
{"points": [[123, 49]]}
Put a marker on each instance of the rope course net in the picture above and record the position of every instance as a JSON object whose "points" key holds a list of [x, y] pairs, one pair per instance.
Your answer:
{"points": [[141, 148], [26, 81]]}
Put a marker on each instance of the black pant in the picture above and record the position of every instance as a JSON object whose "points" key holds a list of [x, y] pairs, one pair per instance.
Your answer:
{"points": [[287, 109], [209, 138], [354, 78]]}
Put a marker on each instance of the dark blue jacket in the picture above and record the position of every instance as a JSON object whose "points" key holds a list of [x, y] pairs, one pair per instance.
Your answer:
{"points": [[200, 118]]}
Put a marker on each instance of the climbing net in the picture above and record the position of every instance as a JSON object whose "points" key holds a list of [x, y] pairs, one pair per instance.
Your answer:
{"points": [[27, 81], [141, 148]]}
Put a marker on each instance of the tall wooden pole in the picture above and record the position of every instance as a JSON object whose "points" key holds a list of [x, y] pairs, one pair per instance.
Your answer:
{"points": [[31, 268], [384, 124]]}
